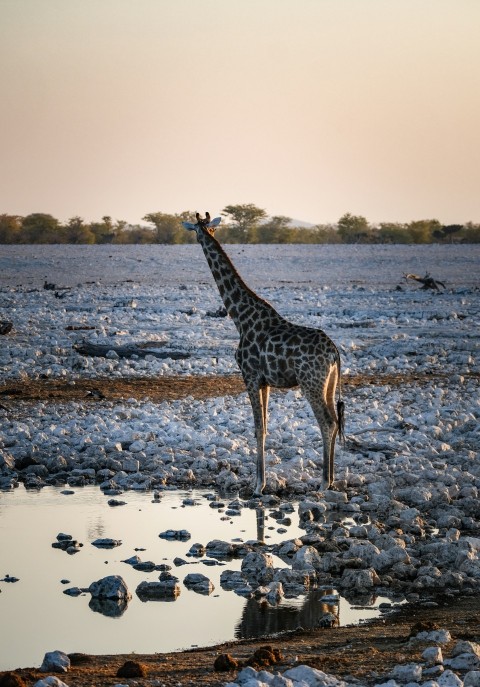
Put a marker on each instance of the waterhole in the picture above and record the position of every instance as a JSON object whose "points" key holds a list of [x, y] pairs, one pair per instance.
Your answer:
{"points": [[36, 616]]}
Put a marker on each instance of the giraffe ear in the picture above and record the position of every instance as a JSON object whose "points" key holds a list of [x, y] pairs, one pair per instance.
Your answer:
{"points": [[214, 222], [190, 226]]}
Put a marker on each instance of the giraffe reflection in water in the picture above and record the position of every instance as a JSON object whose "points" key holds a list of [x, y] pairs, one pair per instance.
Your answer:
{"points": [[259, 617]]}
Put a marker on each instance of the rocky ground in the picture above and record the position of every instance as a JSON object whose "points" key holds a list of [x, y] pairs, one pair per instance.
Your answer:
{"points": [[368, 653], [173, 414], [363, 655]]}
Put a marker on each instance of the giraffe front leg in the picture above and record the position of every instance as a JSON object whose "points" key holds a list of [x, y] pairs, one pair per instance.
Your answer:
{"points": [[256, 399]]}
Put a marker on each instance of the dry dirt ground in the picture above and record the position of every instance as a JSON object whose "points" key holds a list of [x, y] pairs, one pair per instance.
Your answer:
{"points": [[367, 652], [170, 388]]}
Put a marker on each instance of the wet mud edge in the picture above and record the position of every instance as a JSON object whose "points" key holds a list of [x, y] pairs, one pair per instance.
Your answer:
{"points": [[366, 652]]}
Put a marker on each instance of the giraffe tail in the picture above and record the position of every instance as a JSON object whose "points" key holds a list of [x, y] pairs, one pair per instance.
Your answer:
{"points": [[340, 406]]}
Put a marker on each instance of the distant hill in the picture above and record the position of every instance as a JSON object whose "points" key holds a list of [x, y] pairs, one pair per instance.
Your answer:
{"points": [[298, 223], [301, 224]]}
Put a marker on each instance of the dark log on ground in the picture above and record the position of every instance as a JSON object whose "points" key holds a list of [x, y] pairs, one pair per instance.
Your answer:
{"points": [[101, 350], [5, 326], [50, 286], [427, 281]]}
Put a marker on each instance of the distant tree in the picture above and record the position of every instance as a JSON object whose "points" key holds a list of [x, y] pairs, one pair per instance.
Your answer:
{"points": [[104, 231], [393, 232], [421, 231], [137, 234], [42, 228], [10, 228], [446, 232], [187, 216], [274, 230], [324, 233], [120, 231], [169, 228], [244, 221], [354, 229], [243, 224], [471, 233], [76, 231]]}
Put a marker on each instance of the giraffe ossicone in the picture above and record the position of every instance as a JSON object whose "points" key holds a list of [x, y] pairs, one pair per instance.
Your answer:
{"points": [[273, 352]]}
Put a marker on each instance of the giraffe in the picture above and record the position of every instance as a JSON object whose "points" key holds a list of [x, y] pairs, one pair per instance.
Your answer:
{"points": [[273, 352]]}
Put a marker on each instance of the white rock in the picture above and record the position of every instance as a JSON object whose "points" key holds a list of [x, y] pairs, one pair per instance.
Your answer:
{"points": [[55, 661], [449, 679], [245, 674], [130, 465], [258, 568], [434, 636], [50, 681], [311, 677], [307, 558], [432, 655], [364, 550], [138, 445], [272, 592], [464, 647], [265, 677], [463, 662], [335, 497], [359, 580], [410, 672], [472, 679]]}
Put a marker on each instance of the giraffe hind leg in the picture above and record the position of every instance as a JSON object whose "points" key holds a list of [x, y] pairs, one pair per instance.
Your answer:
{"points": [[335, 412], [328, 427]]}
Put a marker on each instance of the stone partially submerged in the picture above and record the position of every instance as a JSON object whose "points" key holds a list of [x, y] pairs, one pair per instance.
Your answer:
{"points": [[258, 568], [110, 587], [167, 588], [106, 543], [199, 583]]}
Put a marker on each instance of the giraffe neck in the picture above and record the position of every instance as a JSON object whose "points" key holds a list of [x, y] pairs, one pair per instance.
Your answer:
{"points": [[242, 304]]}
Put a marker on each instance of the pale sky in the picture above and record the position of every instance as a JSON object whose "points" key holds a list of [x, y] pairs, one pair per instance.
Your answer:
{"points": [[306, 108]]}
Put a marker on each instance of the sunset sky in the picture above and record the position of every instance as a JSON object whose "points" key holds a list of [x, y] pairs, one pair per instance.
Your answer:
{"points": [[306, 108]]}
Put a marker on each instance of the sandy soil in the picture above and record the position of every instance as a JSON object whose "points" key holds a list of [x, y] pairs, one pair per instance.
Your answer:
{"points": [[367, 652]]}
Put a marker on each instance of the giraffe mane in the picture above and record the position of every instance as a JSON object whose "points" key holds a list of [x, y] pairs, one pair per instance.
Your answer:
{"points": [[225, 256]]}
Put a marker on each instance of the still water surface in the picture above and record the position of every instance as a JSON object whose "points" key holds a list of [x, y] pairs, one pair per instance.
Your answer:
{"points": [[37, 617]]}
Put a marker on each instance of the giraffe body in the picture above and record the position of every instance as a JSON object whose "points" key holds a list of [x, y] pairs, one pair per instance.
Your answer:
{"points": [[274, 352]]}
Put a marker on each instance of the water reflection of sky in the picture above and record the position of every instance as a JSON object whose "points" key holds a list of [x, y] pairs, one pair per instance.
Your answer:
{"points": [[41, 618]]}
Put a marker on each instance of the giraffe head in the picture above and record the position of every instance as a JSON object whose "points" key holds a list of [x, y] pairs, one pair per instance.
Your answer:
{"points": [[206, 225]]}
